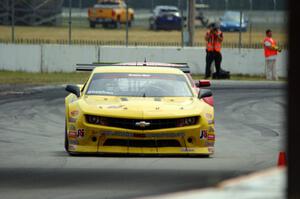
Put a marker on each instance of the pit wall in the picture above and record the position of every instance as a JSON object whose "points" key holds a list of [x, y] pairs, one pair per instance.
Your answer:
{"points": [[53, 57]]}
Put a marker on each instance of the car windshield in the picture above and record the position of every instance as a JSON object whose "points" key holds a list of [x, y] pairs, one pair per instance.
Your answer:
{"points": [[232, 16], [139, 85], [169, 10], [109, 4]]}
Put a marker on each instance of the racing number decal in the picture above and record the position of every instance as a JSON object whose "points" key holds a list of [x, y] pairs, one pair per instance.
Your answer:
{"points": [[80, 133], [203, 134]]}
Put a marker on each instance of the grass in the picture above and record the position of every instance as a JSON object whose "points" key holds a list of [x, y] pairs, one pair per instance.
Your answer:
{"points": [[58, 78], [55, 78], [136, 34], [243, 77]]}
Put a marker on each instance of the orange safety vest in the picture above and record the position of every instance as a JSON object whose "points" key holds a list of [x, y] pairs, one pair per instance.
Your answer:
{"points": [[209, 43], [213, 44], [269, 52], [218, 43]]}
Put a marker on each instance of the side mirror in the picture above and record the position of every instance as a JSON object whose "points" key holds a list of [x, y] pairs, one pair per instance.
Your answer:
{"points": [[73, 89], [204, 93], [203, 83]]}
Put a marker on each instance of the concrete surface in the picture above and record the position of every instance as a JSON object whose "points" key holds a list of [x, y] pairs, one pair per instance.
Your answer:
{"points": [[266, 184], [250, 125]]}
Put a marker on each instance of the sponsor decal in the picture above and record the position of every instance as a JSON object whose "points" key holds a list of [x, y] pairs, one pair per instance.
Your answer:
{"points": [[211, 149], [211, 137], [186, 150], [126, 134], [72, 134], [208, 116], [211, 129], [210, 121], [209, 144], [80, 133], [203, 134], [72, 120], [74, 113], [115, 107], [72, 147], [72, 128], [75, 142], [139, 75]]}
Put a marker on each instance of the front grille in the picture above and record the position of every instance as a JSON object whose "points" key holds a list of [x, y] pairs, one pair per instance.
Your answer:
{"points": [[140, 124], [142, 143], [131, 123]]}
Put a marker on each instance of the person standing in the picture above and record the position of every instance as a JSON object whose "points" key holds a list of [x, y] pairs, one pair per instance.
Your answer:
{"points": [[270, 51], [213, 38]]}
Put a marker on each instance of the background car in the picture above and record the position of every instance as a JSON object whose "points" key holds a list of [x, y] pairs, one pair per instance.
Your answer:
{"points": [[230, 22], [165, 17], [110, 13]]}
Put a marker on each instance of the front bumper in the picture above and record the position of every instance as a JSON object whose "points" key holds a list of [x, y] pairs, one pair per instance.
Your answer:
{"points": [[103, 20], [192, 140]]}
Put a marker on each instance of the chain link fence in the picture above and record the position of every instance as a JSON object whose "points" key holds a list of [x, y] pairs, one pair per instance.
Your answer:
{"points": [[67, 22]]}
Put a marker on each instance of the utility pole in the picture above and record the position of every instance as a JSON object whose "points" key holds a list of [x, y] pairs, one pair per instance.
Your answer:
{"points": [[13, 21], [126, 39], [191, 21], [70, 21], [180, 6], [240, 32]]}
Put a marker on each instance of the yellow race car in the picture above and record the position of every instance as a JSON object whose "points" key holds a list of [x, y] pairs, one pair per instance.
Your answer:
{"points": [[139, 110]]}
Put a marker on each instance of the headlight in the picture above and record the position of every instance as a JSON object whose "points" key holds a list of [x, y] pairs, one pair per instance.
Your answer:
{"points": [[177, 14], [92, 119], [187, 121]]}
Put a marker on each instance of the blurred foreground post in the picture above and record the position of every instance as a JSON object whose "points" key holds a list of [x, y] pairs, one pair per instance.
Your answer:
{"points": [[191, 21]]}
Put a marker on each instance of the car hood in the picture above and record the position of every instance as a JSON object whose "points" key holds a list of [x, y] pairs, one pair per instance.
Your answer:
{"points": [[141, 107]]}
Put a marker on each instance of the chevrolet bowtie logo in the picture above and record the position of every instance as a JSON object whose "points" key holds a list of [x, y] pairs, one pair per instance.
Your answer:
{"points": [[142, 124]]}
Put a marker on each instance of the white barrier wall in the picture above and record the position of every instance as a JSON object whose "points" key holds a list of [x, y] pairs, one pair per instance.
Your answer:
{"points": [[49, 58], [20, 57]]}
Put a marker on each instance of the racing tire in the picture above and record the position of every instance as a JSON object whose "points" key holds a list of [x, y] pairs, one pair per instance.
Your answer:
{"points": [[117, 24], [92, 24], [154, 26], [105, 25], [66, 139]]}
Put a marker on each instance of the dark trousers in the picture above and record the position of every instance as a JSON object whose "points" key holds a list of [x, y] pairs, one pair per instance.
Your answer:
{"points": [[210, 57]]}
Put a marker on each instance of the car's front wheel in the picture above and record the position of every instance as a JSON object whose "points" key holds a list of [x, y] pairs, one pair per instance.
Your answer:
{"points": [[92, 24], [66, 139]]}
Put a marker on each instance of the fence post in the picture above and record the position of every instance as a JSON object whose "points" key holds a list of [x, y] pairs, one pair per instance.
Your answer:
{"points": [[126, 1], [70, 21], [13, 21]]}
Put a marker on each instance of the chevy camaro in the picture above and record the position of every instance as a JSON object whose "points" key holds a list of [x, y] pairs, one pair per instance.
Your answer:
{"points": [[139, 110]]}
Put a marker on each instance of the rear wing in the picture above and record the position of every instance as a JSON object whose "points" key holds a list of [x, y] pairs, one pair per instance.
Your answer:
{"points": [[90, 67]]}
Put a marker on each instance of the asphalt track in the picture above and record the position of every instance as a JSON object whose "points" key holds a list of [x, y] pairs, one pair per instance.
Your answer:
{"points": [[250, 125]]}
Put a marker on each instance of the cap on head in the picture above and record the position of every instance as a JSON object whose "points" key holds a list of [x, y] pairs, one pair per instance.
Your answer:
{"points": [[212, 25], [268, 31]]}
